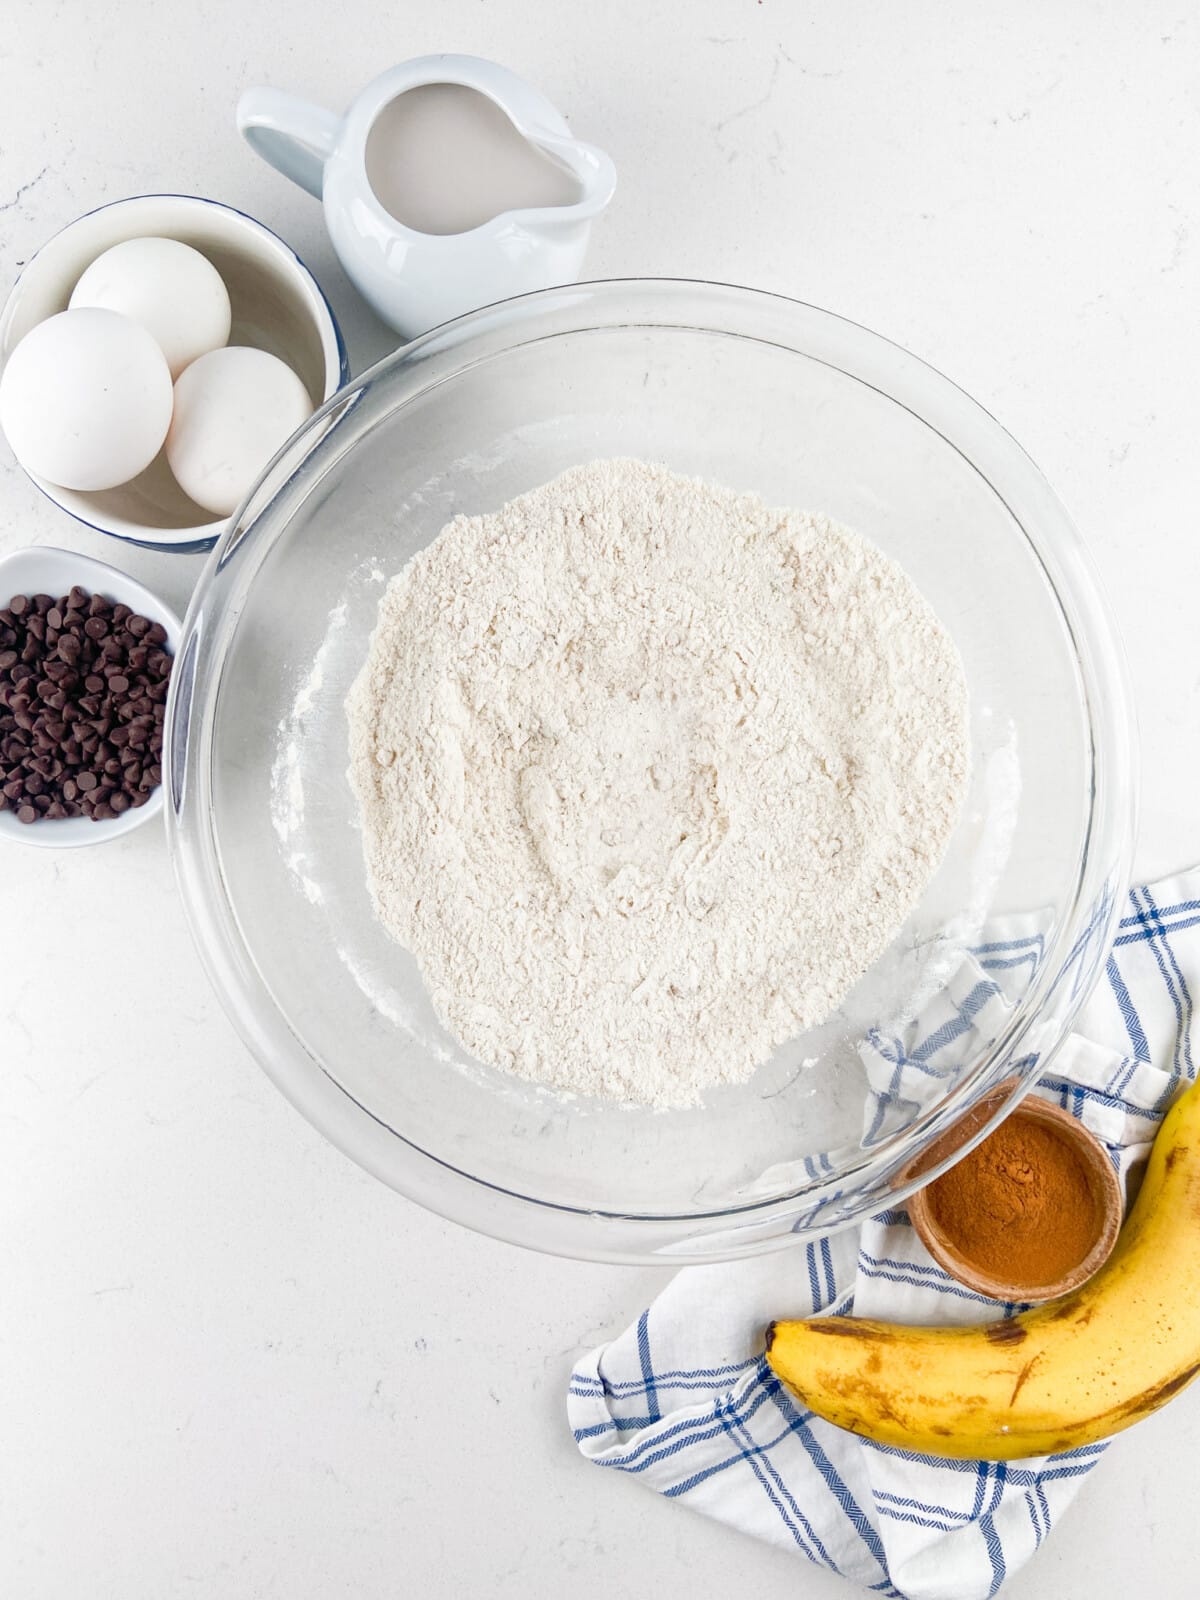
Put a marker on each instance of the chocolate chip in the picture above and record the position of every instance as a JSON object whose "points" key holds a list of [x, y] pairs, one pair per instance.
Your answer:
{"points": [[83, 683]]}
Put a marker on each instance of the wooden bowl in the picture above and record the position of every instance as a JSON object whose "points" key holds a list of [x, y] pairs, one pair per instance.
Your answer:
{"points": [[1099, 1172]]}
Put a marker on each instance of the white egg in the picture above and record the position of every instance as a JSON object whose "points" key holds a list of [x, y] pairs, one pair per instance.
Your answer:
{"points": [[172, 290], [85, 399], [233, 410]]}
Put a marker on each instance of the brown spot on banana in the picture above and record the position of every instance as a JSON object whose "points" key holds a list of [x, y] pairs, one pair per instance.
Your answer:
{"points": [[1011, 1332], [1069, 1309], [1102, 1424], [1021, 1378], [852, 1328], [1150, 1399], [871, 1397]]}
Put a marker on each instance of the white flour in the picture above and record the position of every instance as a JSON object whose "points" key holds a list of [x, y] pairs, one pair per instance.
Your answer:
{"points": [[650, 774]]}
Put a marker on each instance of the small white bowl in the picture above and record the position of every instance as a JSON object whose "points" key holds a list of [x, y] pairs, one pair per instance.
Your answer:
{"points": [[41, 569], [277, 306]]}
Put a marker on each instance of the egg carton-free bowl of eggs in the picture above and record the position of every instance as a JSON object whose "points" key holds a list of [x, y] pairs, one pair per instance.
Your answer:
{"points": [[277, 305], [42, 569]]}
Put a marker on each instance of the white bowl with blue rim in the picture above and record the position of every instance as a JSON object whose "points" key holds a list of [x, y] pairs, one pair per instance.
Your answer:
{"points": [[277, 306], [43, 569]]}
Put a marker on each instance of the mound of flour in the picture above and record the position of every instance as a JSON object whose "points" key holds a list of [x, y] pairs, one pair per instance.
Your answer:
{"points": [[649, 775]]}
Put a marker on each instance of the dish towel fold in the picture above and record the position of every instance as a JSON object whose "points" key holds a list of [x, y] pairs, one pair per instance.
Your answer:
{"points": [[684, 1400]]}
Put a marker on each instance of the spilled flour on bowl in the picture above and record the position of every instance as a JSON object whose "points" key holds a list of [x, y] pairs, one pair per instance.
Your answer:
{"points": [[650, 774]]}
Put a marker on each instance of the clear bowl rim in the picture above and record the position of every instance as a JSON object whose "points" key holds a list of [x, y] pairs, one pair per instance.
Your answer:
{"points": [[935, 401]]}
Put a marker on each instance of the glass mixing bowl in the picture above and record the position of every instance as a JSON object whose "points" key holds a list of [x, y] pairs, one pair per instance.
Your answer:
{"points": [[754, 392]]}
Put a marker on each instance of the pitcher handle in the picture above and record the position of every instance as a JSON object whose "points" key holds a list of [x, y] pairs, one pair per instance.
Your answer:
{"points": [[289, 134]]}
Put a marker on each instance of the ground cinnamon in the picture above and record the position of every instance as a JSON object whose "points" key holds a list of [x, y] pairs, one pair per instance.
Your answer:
{"points": [[1019, 1206]]}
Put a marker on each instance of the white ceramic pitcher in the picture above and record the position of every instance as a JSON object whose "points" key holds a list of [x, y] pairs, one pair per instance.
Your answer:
{"points": [[415, 280]]}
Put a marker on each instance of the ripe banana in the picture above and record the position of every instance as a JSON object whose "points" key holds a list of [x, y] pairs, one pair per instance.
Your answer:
{"points": [[1063, 1375]]}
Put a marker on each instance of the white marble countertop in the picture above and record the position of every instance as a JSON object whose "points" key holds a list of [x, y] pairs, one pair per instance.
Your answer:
{"points": [[233, 1365]]}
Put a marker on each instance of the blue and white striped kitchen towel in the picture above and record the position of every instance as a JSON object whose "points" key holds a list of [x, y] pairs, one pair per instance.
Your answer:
{"points": [[685, 1402]]}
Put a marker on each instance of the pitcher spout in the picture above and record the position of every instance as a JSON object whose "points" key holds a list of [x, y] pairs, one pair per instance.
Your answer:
{"points": [[591, 169]]}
